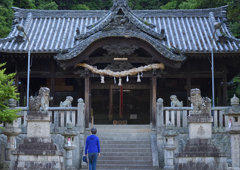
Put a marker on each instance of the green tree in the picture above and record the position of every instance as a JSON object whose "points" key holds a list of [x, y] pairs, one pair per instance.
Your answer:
{"points": [[47, 5], [7, 91], [173, 4], [235, 88], [80, 7], [146, 4], [6, 15], [27, 4]]}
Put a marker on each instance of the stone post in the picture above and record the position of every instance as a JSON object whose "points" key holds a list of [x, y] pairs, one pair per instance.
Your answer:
{"points": [[69, 146], [233, 129], [170, 145], [11, 131], [81, 115], [160, 128], [81, 124], [159, 115]]}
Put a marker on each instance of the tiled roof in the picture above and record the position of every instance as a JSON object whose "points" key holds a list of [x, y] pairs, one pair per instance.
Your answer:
{"points": [[54, 31]]}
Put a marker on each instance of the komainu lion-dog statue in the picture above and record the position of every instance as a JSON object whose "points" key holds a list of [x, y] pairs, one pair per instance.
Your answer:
{"points": [[41, 102], [67, 102], [175, 102], [196, 99]]}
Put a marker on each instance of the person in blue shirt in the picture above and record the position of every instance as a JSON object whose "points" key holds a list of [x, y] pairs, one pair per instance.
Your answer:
{"points": [[92, 149]]}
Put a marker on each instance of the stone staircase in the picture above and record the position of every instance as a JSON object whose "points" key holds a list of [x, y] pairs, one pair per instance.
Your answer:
{"points": [[125, 147]]}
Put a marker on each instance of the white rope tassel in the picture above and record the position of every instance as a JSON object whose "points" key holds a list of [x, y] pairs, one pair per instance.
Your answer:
{"points": [[102, 79], [127, 79], [114, 80], [120, 81], [138, 78]]}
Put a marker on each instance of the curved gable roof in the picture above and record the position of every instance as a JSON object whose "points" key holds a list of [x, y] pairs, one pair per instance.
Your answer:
{"points": [[54, 31]]}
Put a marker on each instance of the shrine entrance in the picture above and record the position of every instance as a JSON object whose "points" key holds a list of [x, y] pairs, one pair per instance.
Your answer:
{"points": [[129, 103]]}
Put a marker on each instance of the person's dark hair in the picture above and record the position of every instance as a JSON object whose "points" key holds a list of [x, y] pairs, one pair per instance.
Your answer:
{"points": [[94, 131]]}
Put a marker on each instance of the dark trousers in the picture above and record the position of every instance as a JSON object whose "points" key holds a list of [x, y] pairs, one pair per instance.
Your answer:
{"points": [[92, 157]]}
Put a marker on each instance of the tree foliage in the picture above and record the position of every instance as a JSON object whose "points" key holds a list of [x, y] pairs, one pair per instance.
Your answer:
{"points": [[6, 15], [48, 6], [7, 91]]}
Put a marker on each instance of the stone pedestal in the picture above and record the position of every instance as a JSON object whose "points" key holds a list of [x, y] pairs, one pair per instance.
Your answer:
{"points": [[11, 131], [200, 152], [233, 114], [69, 146], [38, 150], [170, 145]]}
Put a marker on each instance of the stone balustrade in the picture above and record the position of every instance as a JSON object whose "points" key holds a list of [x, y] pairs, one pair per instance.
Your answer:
{"points": [[178, 116]]}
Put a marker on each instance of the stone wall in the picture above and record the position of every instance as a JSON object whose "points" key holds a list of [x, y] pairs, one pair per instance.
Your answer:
{"points": [[220, 138]]}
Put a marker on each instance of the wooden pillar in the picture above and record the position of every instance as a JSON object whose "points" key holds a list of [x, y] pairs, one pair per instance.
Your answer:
{"points": [[188, 83], [219, 93], [87, 96], [52, 82], [154, 100], [22, 94], [225, 88], [16, 76]]}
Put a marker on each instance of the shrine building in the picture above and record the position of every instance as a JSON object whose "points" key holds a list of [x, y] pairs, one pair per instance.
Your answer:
{"points": [[120, 61]]}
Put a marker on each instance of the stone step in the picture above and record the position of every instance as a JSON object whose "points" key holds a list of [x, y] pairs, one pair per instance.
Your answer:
{"points": [[126, 158], [123, 166], [125, 147], [126, 150], [102, 142], [126, 137], [126, 169], [111, 127], [126, 154], [124, 162], [119, 138], [117, 146]]}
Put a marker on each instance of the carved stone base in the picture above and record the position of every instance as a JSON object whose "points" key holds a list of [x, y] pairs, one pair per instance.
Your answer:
{"points": [[37, 153], [38, 150], [200, 154], [200, 126]]}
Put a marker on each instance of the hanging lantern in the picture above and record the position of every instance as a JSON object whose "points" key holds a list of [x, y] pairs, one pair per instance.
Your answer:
{"points": [[138, 78], [114, 80], [102, 79], [127, 79], [120, 81]]}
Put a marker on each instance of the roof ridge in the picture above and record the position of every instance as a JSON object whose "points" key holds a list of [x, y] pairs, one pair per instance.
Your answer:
{"points": [[120, 14]]}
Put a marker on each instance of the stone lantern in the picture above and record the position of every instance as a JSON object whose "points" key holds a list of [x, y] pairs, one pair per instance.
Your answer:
{"points": [[11, 131], [170, 145], [69, 145], [233, 129]]}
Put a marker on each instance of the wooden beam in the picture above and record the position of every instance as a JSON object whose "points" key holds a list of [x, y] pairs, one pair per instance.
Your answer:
{"points": [[16, 76], [22, 94], [225, 88], [219, 93], [87, 98], [154, 101], [188, 83], [52, 82]]}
